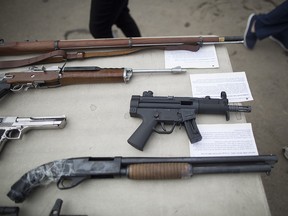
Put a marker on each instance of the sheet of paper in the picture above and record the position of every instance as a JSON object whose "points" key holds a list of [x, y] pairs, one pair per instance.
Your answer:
{"points": [[234, 84], [205, 57], [224, 140]]}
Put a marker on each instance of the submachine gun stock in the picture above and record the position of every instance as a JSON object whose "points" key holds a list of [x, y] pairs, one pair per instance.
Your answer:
{"points": [[170, 110], [69, 173]]}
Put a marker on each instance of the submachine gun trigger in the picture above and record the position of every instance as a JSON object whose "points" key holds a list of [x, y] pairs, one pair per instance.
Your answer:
{"points": [[164, 129]]}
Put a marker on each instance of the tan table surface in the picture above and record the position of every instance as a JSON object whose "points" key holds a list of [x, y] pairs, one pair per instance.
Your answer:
{"points": [[98, 125]]}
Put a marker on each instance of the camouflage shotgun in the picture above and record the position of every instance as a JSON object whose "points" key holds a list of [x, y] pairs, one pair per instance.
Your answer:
{"points": [[69, 173]]}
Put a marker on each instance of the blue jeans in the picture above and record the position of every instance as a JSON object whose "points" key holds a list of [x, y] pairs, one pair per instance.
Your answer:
{"points": [[274, 23]]}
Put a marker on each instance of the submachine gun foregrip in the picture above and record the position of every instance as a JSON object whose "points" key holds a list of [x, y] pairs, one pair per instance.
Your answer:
{"points": [[170, 110]]}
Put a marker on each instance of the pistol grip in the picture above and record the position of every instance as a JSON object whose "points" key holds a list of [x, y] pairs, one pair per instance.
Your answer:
{"points": [[3, 139], [142, 134], [189, 119]]}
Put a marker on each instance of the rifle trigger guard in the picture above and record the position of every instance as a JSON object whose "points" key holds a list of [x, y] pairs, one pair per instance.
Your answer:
{"points": [[164, 131], [25, 87], [17, 88]]}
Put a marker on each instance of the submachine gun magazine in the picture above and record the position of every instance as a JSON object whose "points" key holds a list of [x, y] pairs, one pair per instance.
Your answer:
{"points": [[170, 110]]}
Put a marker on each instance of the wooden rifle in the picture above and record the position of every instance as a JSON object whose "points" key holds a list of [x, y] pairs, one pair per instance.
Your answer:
{"points": [[54, 76], [63, 50]]}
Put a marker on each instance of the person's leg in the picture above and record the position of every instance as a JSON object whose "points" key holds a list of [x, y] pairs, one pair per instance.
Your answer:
{"points": [[282, 39], [103, 14], [127, 24], [273, 22], [265, 25], [276, 16]]}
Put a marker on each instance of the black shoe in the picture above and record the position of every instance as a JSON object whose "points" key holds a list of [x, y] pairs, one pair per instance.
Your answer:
{"points": [[250, 37]]}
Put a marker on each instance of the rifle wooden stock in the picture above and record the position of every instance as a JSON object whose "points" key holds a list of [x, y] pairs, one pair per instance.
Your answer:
{"points": [[89, 77], [17, 48], [54, 79]]}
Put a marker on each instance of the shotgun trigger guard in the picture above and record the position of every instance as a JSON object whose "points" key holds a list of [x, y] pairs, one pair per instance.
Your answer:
{"points": [[164, 129], [67, 182]]}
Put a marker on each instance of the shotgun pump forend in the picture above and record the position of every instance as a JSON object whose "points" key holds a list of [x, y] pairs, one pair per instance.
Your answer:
{"points": [[161, 110], [68, 173]]}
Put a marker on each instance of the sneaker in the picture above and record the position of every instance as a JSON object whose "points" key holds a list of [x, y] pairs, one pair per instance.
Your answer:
{"points": [[280, 40], [250, 37]]}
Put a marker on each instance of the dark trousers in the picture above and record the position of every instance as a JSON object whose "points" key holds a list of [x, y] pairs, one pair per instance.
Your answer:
{"points": [[105, 13], [274, 23]]}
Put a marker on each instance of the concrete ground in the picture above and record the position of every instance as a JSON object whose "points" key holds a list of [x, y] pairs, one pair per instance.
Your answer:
{"points": [[265, 66]]}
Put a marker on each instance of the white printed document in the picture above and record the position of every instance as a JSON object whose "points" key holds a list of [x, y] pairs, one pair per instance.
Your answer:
{"points": [[224, 140], [205, 57], [234, 84]]}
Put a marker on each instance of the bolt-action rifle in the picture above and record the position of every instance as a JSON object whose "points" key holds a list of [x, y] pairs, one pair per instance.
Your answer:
{"points": [[63, 50], [69, 173], [48, 77]]}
